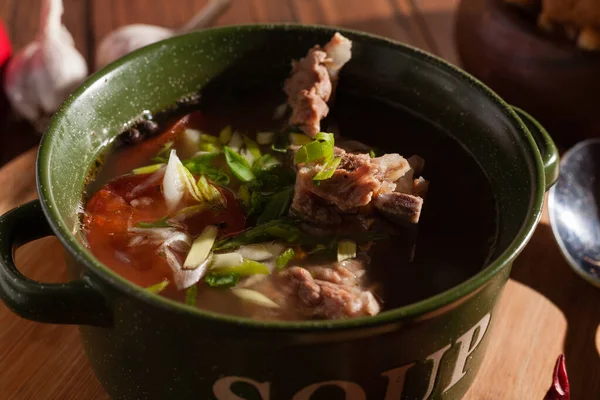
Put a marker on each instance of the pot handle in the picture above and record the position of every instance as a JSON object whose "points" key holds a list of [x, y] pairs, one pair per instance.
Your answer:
{"points": [[76, 302], [545, 144]]}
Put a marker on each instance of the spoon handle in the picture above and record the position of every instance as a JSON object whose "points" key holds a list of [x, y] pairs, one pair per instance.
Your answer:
{"points": [[209, 14]]}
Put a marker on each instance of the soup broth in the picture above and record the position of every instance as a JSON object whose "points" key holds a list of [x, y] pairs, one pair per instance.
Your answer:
{"points": [[452, 242]]}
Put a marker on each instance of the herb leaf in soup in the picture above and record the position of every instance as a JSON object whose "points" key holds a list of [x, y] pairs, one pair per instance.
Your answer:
{"points": [[277, 229], [238, 165], [284, 258], [265, 162], [276, 206], [273, 179], [246, 268], [203, 164], [217, 280]]}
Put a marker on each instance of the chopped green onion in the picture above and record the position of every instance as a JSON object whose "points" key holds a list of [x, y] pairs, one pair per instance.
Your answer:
{"points": [[221, 280], [158, 287], [191, 294], [210, 147], [178, 181], [159, 223], [261, 251], [225, 135], [346, 249], [198, 164], [252, 147], [265, 162], [300, 139], [238, 165], [244, 195], [246, 268], [372, 153], [320, 149], [236, 142], [190, 141], [324, 137], [190, 211], [208, 192], [203, 165], [265, 138], [308, 153], [201, 248], [280, 143], [277, 206], [217, 177], [284, 258], [149, 169], [225, 260], [328, 169], [205, 137], [318, 249], [163, 154], [254, 297]]}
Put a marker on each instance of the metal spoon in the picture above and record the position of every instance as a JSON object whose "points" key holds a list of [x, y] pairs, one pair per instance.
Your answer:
{"points": [[574, 207]]}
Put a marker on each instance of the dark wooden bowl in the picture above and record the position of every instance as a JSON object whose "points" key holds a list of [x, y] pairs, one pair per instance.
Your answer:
{"points": [[547, 76]]}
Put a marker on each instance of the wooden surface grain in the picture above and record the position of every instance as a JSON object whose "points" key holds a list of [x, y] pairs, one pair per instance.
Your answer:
{"points": [[545, 309]]}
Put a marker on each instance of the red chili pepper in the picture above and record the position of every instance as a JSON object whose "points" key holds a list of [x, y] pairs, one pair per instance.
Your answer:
{"points": [[5, 46], [560, 382], [5, 53]]}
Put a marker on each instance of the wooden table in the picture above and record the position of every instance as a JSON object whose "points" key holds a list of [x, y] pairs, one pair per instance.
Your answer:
{"points": [[545, 310]]}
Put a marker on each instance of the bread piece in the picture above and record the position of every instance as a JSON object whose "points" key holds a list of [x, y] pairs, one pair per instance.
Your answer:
{"points": [[589, 39]]}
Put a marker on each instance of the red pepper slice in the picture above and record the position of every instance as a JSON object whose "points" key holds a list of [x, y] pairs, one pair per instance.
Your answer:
{"points": [[5, 46], [560, 389]]}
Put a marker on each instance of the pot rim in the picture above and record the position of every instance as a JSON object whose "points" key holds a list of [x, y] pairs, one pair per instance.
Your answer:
{"points": [[439, 301]]}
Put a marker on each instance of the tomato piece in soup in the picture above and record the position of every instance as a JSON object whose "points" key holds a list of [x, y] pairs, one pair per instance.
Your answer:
{"points": [[110, 225]]}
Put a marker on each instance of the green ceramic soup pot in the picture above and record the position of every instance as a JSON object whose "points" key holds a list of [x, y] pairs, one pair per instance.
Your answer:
{"points": [[142, 346]]}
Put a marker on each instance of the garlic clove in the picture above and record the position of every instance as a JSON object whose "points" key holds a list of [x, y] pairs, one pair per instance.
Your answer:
{"points": [[64, 69], [42, 75], [19, 89], [127, 39]]}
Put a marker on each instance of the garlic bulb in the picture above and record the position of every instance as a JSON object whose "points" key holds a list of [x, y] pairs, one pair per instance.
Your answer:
{"points": [[42, 75], [132, 37]]}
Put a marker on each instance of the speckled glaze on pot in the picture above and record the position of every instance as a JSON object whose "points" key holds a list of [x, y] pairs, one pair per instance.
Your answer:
{"points": [[143, 346]]}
